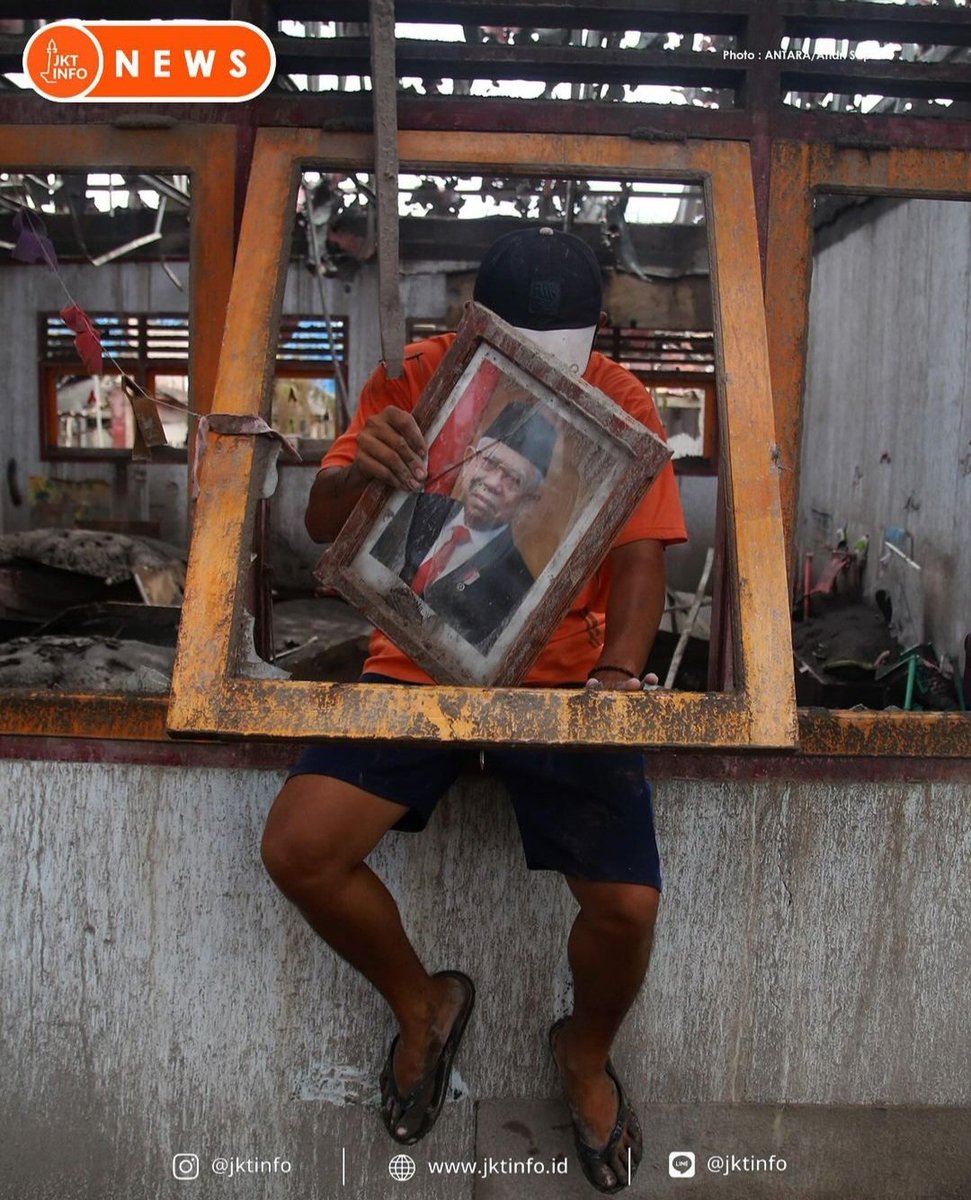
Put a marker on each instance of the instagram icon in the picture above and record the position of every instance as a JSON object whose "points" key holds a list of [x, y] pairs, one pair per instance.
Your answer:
{"points": [[185, 1166]]}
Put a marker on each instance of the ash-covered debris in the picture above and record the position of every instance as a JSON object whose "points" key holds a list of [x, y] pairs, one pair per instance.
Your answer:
{"points": [[843, 631], [156, 624], [85, 664], [847, 656], [321, 639], [111, 557], [837, 652]]}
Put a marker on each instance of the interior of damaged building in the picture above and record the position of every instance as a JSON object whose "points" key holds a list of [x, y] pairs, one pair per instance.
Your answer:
{"points": [[195, 294]]}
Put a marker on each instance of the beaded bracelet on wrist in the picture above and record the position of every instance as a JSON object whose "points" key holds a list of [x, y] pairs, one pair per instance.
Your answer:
{"points": [[607, 667]]}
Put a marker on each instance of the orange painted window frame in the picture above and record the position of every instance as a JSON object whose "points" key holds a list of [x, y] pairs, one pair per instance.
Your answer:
{"points": [[210, 695], [799, 170], [208, 155]]}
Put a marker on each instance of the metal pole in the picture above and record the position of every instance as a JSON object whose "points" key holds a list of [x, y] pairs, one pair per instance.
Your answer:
{"points": [[384, 93], [329, 320]]}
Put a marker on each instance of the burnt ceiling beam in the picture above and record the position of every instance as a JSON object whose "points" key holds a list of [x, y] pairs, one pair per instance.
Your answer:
{"points": [[165, 187], [114, 10], [927, 81], [688, 16], [257, 12], [672, 251], [104, 232], [553, 64], [923, 24], [351, 112], [926, 25]]}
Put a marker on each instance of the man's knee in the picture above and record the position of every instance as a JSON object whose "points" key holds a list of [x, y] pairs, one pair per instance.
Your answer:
{"points": [[319, 829], [626, 909], [296, 849]]}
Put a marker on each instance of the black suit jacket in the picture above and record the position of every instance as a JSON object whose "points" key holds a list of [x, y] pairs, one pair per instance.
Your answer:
{"points": [[478, 597]]}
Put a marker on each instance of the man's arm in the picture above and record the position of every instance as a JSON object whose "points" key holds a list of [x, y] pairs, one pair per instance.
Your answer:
{"points": [[634, 611], [390, 447]]}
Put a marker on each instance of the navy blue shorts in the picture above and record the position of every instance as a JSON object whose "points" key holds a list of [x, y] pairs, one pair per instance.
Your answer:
{"points": [[586, 813]]}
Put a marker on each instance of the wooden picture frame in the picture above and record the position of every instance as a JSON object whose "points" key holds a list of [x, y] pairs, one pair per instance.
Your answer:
{"points": [[539, 531]]}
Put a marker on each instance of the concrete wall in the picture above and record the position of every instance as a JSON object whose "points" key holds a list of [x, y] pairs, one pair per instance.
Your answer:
{"points": [[887, 438], [159, 996]]}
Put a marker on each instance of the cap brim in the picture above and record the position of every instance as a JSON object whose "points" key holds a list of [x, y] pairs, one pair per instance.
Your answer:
{"points": [[571, 346]]}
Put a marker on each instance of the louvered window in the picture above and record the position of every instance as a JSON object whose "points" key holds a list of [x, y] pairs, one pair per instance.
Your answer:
{"points": [[88, 415]]}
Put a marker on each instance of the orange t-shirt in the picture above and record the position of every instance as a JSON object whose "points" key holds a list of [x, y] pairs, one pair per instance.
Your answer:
{"points": [[574, 647]]}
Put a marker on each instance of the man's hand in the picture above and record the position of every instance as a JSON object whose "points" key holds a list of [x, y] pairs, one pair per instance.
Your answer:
{"points": [[391, 448], [609, 679], [633, 614]]}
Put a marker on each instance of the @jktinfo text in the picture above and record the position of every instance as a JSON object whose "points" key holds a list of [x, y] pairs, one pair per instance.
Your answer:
{"points": [[683, 1164], [186, 1166]]}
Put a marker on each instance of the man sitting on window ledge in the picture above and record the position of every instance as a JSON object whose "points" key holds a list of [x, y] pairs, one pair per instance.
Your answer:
{"points": [[586, 814]]}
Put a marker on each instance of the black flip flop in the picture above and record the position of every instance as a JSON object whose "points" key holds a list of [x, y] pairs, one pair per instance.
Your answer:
{"points": [[429, 1092], [593, 1160]]}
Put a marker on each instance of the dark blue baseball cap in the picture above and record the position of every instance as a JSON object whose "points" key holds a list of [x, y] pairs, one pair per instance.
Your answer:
{"points": [[541, 279]]}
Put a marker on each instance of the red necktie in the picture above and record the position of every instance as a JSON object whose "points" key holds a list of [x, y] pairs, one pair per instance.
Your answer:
{"points": [[432, 567]]}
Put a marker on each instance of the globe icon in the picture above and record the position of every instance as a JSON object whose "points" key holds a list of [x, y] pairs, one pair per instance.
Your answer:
{"points": [[401, 1167]]}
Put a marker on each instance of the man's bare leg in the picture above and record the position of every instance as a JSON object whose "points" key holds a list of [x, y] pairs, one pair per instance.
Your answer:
{"points": [[317, 835], [609, 950]]}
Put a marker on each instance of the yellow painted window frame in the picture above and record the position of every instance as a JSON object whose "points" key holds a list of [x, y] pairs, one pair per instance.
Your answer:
{"points": [[209, 696], [800, 170], [208, 155]]}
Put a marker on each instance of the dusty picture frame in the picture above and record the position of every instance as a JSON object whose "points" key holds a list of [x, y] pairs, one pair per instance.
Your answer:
{"points": [[581, 465]]}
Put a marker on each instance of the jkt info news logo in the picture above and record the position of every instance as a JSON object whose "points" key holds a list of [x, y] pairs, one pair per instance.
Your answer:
{"points": [[145, 61]]}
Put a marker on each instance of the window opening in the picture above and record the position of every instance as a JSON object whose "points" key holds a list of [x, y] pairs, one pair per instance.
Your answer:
{"points": [[650, 239], [90, 416], [92, 551], [880, 604], [309, 382], [247, 693], [886, 447]]}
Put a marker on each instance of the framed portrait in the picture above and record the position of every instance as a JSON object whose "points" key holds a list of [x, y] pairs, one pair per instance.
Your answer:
{"points": [[531, 474]]}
